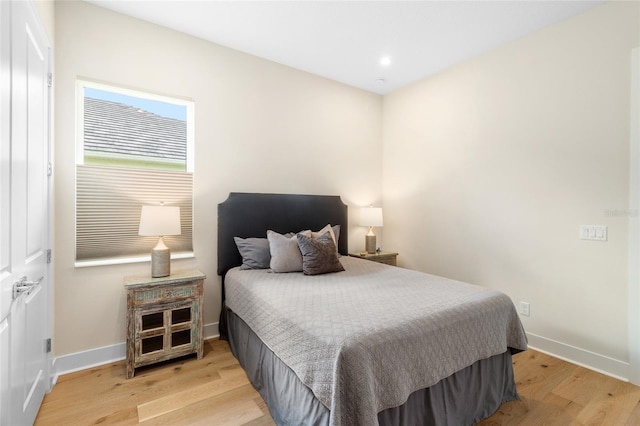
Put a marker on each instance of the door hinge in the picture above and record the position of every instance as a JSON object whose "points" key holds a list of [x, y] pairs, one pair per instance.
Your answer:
{"points": [[48, 345], [50, 79], [48, 256], [49, 169]]}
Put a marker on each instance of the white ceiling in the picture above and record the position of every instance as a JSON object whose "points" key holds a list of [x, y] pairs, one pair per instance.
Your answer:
{"points": [[344, 40]]}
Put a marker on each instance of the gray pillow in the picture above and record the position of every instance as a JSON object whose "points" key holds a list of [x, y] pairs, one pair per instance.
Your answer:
{"points": [[319, 255], [285, 253], [336, 232], [254, 251]]}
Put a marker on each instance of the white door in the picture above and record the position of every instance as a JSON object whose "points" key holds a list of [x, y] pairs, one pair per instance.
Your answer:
{"points": [[24, 212]]}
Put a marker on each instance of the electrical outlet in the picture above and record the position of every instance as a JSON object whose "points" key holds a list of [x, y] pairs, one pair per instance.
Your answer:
{"points": [[524, 308]]}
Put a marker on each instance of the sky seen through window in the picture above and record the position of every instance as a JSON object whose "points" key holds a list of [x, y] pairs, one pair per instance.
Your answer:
{"points": [[163, 109]]}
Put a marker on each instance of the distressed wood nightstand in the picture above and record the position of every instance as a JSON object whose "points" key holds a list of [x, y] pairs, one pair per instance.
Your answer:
{"points": [[387, 258], [164, 318]]}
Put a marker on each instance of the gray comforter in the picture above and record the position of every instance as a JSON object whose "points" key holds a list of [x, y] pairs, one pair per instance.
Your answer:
{"points": [[363, 340]]}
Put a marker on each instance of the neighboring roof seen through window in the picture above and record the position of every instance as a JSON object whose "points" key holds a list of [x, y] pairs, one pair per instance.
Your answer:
{"points": [[127, 131]]}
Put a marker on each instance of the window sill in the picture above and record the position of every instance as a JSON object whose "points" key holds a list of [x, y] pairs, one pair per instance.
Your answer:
{"points": [[123, 260]]}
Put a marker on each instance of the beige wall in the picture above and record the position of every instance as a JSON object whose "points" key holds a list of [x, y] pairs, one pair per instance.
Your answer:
{"points": [[260, 126], [46, 12], [491, 166]]}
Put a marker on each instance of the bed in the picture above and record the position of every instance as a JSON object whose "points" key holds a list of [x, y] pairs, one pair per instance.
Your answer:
{"points": [[372, 344]]}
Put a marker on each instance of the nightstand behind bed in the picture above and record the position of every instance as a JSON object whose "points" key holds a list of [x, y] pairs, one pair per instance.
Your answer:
{"points": [[382, 257]]}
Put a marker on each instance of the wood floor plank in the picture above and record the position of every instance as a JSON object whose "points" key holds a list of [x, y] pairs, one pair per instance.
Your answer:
{"points": [[233, 409], [263, 406], [509, 413], [126, 417], [236, 406], [138, 390], [178, 400], [537, 373], [581, 386], [634, 417], [265, 420], [553, 410], [214, 390], [612, 403]]}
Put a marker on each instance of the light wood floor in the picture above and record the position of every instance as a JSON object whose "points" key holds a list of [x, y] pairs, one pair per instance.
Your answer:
{"points": [[215, 391]]}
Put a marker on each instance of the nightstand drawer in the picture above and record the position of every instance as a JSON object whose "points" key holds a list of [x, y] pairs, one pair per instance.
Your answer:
{"points": [[389, 260], [154, 295]]}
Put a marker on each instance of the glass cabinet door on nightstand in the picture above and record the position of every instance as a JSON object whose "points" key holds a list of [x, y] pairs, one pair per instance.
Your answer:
{"points": [[165, 330], [181, 326], [150, 329]]}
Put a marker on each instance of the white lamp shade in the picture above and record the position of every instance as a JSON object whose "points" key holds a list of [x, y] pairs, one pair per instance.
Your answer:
{"points": [[371, 216], [159, 221]]}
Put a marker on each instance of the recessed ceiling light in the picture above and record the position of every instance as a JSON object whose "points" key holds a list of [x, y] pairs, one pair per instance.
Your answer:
{"points": [[385, 61], [379, 80]]}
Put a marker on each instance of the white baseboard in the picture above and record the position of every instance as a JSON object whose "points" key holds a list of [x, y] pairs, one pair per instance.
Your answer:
{"points": [[211, 331], [582, 357], [87, 359], [99, 356]]}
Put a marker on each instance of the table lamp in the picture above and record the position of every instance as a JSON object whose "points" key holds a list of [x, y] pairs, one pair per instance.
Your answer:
{"points": [[370, 216], [158, 221]]}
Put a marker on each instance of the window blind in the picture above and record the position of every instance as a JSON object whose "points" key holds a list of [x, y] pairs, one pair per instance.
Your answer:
{"points": [[108, 204]]}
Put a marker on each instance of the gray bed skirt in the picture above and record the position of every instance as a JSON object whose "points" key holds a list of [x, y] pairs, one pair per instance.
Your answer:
{"points": [[464, 398]]}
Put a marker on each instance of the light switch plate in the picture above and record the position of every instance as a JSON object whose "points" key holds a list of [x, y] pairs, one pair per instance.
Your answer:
{"points": [[593, 232]]}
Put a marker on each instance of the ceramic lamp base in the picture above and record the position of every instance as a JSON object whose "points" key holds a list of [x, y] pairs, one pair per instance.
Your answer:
{"points": [[160, 262], [370, 244]]}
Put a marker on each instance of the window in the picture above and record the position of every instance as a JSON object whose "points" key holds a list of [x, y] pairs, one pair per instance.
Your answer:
{"points": [[134, 149]]}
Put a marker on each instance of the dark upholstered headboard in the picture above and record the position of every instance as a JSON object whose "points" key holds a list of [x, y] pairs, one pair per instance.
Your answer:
{"points": [[251, 215]]}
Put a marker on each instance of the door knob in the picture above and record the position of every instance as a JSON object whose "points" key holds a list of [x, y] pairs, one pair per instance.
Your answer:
{"points": [[24, 286]]}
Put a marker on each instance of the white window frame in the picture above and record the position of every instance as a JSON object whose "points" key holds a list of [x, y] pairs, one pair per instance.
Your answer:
{"points": [[81, 84]]}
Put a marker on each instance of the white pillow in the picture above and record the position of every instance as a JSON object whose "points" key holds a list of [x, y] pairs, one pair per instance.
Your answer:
{"points": [[328, 228], [285, 253], [324, 230]]}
